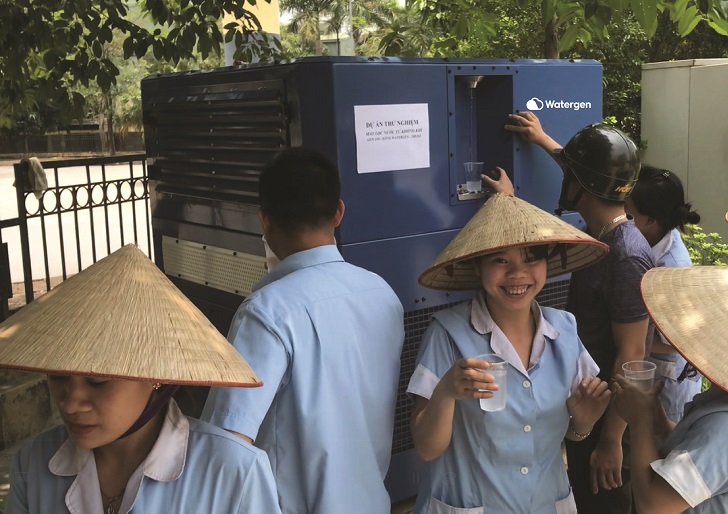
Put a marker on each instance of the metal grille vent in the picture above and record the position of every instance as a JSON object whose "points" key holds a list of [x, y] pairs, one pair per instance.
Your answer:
{"points": [[415, 324], [554, 294], [212, 141], [219, 268]]}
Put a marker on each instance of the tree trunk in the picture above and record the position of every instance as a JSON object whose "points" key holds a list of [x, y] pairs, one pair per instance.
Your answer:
{"points": [[551, 40], [319, 46]]}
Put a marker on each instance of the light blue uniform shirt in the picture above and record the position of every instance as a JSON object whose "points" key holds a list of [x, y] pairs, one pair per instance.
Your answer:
{"points": [[325, 338], [695, 455], [507, 461], [193, 467], [671, 251]]}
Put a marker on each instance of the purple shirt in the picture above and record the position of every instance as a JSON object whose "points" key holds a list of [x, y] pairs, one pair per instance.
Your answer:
{"points": [[609, 291]]}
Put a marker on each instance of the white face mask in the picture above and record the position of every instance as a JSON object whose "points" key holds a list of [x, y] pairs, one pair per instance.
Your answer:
{"points": [[271, 261]]}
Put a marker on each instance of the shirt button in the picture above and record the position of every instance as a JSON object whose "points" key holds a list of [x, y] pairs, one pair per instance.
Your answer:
{"points": [[524, 470], [527, 428], [526, 384]]}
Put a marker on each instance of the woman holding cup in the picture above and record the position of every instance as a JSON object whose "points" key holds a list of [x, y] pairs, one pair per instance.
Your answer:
{"points": [[482, 457], [682, 468]]}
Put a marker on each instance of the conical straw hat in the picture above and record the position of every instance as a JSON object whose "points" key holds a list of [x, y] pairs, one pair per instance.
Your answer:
{"points": [[503, 222], [121, 318], [690, 307]]}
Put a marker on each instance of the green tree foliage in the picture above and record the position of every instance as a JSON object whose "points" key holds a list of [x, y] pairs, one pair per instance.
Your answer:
{"points": [[398, 31], [621, 46], [563, 24], [49, 47]]}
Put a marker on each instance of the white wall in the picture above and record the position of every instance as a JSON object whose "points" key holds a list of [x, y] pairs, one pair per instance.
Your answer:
{"points": [[685, 126]]}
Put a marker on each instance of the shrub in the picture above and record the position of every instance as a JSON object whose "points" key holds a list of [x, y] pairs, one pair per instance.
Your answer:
{"points": [[705, 249]]}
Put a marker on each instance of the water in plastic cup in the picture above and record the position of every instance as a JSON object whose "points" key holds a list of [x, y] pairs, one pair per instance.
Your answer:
{"points": [[640, 373], [499, 370], [473, 181]]}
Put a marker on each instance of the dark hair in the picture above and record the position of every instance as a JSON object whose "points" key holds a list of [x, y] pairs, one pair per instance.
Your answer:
{"points": [[299, 189], [659, 194], [538, 252]]}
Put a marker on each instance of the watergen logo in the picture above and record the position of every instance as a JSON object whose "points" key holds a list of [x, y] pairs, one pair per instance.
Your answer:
{"points": [[535, 104]]}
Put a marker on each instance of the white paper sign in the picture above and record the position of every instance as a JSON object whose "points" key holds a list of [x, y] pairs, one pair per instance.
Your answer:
{"points": [[392, 137]]}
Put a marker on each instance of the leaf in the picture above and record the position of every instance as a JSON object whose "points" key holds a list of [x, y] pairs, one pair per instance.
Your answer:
{"points": [[645, 12], [618, 5], [590, 9], [158, 49], [569, 38], [719, 25], [128, 47], [93, 68], [688, 21], [103, 80], [604, 14], [49, 59], [677, 9], [141, 49]]}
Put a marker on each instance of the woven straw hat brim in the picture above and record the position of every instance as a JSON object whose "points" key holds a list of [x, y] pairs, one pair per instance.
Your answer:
{"points": [[121, 318], [690, 307], [507, 222]]}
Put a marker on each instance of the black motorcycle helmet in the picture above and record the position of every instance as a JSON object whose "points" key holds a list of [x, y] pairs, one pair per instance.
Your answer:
{"points": [[603, 160]]}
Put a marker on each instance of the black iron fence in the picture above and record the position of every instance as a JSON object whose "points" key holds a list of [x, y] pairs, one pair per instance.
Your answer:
{"points": [[91, 208]]}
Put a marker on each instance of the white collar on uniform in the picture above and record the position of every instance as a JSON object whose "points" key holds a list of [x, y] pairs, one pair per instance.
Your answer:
{"points": [[663, 245], [483, 324], [165, 463]]}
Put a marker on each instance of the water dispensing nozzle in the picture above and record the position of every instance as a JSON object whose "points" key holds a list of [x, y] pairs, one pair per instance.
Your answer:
{"points": [[473, 81]]}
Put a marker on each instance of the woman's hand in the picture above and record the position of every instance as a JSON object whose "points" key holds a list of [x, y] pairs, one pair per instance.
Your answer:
{"points": [[631, 403], [467, 379], [588, 403]]}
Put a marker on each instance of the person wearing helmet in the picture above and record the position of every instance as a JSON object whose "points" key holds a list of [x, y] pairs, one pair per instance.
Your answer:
{"points": [[600, 165]]}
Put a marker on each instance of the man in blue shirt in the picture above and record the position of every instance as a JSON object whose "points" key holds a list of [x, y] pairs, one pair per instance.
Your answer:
{"points": [[325, 338]]}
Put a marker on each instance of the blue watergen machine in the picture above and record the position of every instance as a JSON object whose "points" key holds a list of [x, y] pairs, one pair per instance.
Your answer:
{"points": [[399, 130]]}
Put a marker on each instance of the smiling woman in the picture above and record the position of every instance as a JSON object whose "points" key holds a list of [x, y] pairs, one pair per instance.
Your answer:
{"points": [[116, 340], [504, 253]]}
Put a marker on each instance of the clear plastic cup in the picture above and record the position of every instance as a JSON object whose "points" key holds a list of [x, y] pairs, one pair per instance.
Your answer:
{"points": [[640, 373], [499, 370], [473, 182]]}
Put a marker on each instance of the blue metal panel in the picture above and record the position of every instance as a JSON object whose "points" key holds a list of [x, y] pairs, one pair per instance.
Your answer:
{"points": [[537, 177], [397, 222], [400, 261], [401, 202]]}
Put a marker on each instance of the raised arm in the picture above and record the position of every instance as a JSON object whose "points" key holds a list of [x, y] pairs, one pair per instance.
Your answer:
{"points": [[651, 492], [527, 125], [431, 421]]}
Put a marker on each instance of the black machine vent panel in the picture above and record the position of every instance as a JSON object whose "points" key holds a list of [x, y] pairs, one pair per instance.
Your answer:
{"points": [[211, 141], [415, 324]]}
